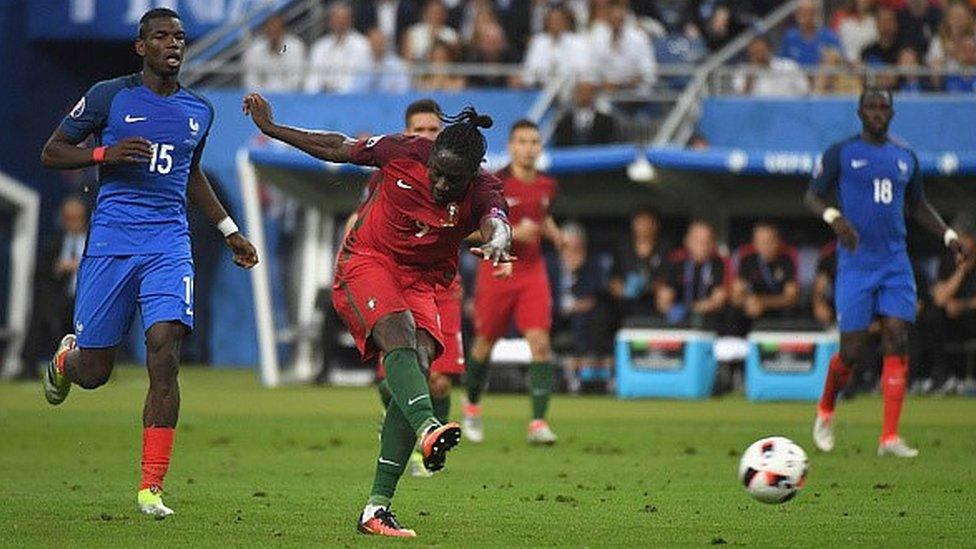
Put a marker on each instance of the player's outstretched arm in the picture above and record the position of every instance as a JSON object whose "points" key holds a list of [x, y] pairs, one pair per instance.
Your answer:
{"points": [[331, 146], [61, 152], [497, 236], [202, 195]]}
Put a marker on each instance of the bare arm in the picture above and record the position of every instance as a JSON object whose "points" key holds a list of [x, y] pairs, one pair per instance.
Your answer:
{"points": [[926, 216], [784, 300], [61, 152], [330, 146], [845, 231], [714, 302], [551, 231], [201, 193], [823, 309]]}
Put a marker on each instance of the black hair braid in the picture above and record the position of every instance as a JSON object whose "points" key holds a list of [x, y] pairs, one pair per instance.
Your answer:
{"points": [[463, 136]]}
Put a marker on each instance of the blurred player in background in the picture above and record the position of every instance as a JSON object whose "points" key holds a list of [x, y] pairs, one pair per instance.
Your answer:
{"points": [[876, 179], [525, 296], [403, 245], [150, 133], [423, 119]]}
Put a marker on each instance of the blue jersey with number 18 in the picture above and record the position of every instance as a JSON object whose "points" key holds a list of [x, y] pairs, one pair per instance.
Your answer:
{"points": [[141, 208], [872, 183]]}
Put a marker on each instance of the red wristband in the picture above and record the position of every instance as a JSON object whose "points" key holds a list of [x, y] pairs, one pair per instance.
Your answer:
{"points": [[98, 154]]}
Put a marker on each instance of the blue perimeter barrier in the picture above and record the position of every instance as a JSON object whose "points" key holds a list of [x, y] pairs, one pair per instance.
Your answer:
{"points": [[616, 157]]}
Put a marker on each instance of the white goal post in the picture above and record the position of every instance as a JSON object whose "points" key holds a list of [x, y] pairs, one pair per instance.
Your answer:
{"points": [[26, 203]]}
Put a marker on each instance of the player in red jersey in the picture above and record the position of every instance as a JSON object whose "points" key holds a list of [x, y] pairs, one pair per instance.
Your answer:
{"points": [[423, 119], [525, 296], [404, 244]]}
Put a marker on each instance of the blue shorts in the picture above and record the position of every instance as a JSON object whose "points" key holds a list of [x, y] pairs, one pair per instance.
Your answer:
{"points": [[110, 288], [863, 294]]}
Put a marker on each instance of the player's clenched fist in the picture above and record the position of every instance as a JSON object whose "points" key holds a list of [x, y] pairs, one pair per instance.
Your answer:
{"points": [[245, 255], [258, 108], [131, 150], [846, 233]]}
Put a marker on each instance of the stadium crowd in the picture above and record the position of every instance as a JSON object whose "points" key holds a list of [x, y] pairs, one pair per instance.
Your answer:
{"points": [[372, 46]]}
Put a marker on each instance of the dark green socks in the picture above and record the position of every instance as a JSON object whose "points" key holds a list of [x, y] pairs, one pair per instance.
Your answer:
{"points": [[409, 387], [397, 440], [476, 379], [540, 384]]}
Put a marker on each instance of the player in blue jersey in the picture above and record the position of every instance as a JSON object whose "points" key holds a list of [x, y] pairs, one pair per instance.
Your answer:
{"points": [[149, 134], [877, 182]]}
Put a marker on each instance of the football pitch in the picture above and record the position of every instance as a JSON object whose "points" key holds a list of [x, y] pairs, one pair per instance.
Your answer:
{"points": [[292, 467]]}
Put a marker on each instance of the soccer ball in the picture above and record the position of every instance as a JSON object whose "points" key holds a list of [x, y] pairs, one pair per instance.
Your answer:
{"points": [[773, 469]]}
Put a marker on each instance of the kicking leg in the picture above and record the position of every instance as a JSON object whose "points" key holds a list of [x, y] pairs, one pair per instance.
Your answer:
{"points": [[160, 413], [852, 345]]}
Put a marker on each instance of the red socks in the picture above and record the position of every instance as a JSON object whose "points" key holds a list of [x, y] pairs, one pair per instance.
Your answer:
{"points": [[894, 377], [837, 378], [157, 445]]}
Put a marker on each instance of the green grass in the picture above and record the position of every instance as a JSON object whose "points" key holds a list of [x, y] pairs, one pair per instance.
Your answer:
{"points": [[292, 467]]}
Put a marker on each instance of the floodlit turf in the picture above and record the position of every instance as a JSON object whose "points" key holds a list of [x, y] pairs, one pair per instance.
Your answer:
{"points": [[292, 466]]}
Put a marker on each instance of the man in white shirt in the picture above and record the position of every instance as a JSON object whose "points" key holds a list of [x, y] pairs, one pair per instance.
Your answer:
{"points": [[340, 57], [623, 55], [432, 28], [766, 75], [275, 61], [556, 52], [389, 74]]}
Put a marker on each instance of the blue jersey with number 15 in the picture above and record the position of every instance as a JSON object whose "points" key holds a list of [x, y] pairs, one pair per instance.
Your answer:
{"points": [[872, 183], [141, 208]]}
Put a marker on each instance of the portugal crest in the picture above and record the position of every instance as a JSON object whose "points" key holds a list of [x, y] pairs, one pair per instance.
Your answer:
{"points": [[452, 215]]}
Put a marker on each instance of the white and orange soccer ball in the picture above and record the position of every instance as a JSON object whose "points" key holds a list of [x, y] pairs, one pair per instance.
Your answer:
{"points": [[773, 469]]}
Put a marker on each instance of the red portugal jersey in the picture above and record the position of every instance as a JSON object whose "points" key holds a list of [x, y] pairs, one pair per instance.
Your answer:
{"points": [[402, 222], [527, 200]]}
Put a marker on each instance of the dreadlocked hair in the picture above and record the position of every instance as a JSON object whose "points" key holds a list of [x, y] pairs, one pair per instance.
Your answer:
{"points": [[463, 136]]}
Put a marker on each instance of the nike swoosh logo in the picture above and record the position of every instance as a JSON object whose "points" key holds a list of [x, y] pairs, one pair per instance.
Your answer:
{"points": [[858, 164], [388, 462], [130, 119], [403, 185], [416, 399]]}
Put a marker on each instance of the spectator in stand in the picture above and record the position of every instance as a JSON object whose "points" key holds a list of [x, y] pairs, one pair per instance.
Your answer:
{"points": [[639, 267], [623, 56], [389, 74], [55, 282], [807, 41], [490, 46], [583, 123], [274, 62], [908, 58], [884, 51], [822, 292], [766, 285], [578, 299], [955, 294], [716, 21], [392, 17], [432, 27], [966, 57], [766, 75], [835, 76], [856, 27], [956, 27], [918, 23], [476, 14], [696, 287], [442, 55], [557, 52], [337, 59]]}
